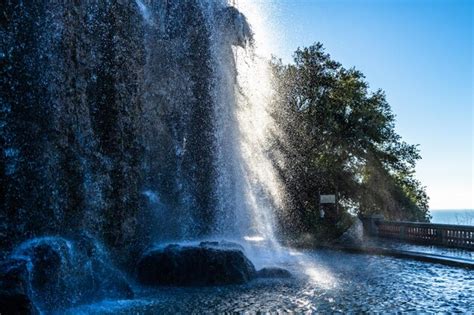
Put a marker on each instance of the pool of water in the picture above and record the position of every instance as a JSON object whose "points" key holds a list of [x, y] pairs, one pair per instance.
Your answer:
{"points": [[325, 281]]}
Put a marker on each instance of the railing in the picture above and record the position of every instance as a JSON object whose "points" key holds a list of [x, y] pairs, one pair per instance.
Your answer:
{"points": [[461, 236]]}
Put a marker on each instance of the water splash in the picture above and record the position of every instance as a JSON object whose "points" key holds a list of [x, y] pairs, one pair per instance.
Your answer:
{"points": [[152, 197], [248, 188], [211, 84], [145, 12], [63, 273]]}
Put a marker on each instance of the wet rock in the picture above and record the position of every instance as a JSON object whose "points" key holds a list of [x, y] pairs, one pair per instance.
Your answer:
{"points": [[110, 283], [16, 303], [14, 276], [235, 26], [57, 273], [273, 272], [52, 270], [354, 235], [222, 244], [205, 264], [209, 243], [14, 297], [104, 280], [46, 264]]}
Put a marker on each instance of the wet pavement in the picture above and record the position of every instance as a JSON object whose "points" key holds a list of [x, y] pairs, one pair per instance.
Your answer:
{"points": [[325, 281]]}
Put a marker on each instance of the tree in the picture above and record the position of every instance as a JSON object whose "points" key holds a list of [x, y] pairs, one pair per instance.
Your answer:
{"points": [[339, 136]]}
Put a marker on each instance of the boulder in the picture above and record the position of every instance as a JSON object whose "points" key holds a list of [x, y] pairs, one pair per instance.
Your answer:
{"points": [[46, 262], [14, 276], [274, 272], [57, 273], [204, 264], [16, 304], [14, 295], [222, 244]]}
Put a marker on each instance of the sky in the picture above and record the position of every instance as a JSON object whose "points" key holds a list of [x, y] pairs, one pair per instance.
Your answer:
{"points": [[420, 53]]}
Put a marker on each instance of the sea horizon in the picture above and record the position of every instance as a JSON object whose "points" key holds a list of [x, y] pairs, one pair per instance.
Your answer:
{"points": [[452, 216]]}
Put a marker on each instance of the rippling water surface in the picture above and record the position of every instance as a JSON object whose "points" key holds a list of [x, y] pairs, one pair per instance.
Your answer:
{"points": [[326, 281]]}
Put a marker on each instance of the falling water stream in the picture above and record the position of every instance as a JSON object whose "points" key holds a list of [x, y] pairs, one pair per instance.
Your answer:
{"points": [[243, 188], [154, 116]]}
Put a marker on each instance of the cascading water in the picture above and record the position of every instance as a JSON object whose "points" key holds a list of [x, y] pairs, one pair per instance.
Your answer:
{"points": [[153, 121], [129, 124], [247, 189], [228, 154]]}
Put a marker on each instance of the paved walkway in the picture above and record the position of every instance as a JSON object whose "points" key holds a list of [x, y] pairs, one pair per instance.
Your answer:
{"points": [[425, 249], [434, 254]]}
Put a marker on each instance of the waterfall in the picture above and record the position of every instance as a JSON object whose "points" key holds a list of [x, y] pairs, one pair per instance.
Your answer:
{"points": [[125, 125], [232, 120], [147, 122], [247, 177]]}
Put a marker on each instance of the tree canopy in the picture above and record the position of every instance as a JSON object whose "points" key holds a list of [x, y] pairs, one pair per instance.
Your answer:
{"points": [[338, 136]]}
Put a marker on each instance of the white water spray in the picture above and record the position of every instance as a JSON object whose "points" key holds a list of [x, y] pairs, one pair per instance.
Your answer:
{"points": [[248, 190]]}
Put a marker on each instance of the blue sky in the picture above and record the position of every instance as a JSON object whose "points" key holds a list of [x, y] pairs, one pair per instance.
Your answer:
{"points": [[420, 53]]}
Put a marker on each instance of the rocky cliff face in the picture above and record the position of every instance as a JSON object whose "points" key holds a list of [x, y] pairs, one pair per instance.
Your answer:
{"points": [[106, 119], [70, 117]]}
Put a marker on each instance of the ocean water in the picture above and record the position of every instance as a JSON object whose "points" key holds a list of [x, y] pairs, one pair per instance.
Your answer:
{"points": [[453, 216]]}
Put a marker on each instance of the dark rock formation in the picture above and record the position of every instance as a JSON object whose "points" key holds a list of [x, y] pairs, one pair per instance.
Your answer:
{"points": [[222, 244], [206, 264], [16, 304], [99, 106], [235, 27], [69, 115], [14, 288], [55, 273], [273, 272], [353, 236]]}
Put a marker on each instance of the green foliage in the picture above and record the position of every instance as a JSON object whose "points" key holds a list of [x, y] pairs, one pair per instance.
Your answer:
{"points": [[338, 136]]}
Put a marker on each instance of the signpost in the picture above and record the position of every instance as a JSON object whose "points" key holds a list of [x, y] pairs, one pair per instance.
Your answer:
{"points": [[327, 203], [327, 199]]}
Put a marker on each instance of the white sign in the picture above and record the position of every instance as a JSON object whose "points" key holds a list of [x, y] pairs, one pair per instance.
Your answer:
{"points": [[328, 199]]}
